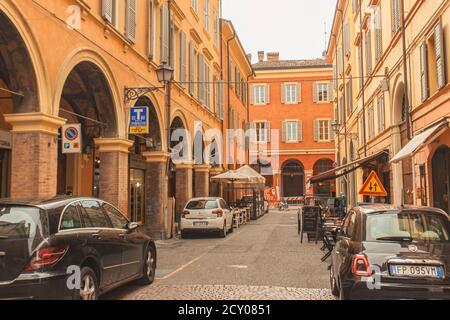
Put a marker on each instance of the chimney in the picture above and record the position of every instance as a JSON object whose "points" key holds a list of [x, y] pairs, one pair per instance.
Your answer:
{"points": [[249, 57], [273, 56], [261, 56]]}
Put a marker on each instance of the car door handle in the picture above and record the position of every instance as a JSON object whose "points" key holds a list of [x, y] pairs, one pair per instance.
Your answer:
{"points": [[122, 236], [96, 236]]}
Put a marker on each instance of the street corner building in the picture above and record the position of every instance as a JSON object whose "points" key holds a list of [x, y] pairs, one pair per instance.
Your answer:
{"points": [[291, 109], [86, 63], [392, 99]]}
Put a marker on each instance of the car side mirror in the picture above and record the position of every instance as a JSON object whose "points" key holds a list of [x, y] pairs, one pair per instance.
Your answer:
{"points": [[132, 226]]}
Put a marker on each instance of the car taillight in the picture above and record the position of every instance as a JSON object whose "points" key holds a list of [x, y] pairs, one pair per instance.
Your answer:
{"points": [[360, 266], [46, 257], [219, 213], [185, 213]]}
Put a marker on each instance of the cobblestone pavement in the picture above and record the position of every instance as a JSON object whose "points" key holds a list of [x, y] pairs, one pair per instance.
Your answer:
{"points": [[224, 292], [261, 260]]}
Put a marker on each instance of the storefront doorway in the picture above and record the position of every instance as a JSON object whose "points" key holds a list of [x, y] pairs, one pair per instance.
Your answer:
{"points": [[293, 179], [137, 195], [440, 165]]}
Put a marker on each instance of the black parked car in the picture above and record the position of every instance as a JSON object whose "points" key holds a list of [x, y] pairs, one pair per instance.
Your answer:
{"points": [[69, 248], [384, 252]]}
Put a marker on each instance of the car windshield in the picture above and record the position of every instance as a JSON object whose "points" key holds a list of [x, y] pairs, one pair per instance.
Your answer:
{"points": [[202, 204], [407, 226]]}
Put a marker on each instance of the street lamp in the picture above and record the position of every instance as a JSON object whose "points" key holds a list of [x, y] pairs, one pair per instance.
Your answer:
{"points": [[165, 74], [336, 127]]}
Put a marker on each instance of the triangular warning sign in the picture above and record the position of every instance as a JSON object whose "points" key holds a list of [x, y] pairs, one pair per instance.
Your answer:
{"points": [[373, 187]]}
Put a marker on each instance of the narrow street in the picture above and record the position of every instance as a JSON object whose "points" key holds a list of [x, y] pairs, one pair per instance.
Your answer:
{"points": [[262, 260]]}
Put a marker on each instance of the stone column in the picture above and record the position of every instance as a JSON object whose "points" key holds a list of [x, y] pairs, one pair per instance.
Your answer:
{"points": [[201, 176], [215, 189], [184, 187], [157, 222], [34, 154], [114, 171]]}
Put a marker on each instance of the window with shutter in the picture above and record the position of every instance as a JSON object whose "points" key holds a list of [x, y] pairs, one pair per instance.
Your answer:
{"points": [[191, 68], [316, 130], [424, 71], [207, 87], [347, 39], [440, 56], [221, 99], [395, 15], [340, 62], [108, 10], [200, 77], [267, 89], [300, 130], [131, 20], [381, 114], [206, 15], [182, 58], [378, 35], [151, 29], [164, 38], [369, 53]]}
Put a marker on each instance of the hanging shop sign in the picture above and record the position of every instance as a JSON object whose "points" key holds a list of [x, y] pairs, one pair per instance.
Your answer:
{"points": [[71, 138], [139, 120], [373, 187]]}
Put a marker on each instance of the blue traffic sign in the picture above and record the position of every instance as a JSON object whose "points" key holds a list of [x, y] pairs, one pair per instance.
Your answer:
{"points": [[139, 121]]}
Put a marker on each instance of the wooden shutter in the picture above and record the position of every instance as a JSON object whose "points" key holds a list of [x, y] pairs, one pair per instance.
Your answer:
{"points": [[108, 10], [131, 20], [221, 99], [440, 55], [424, 71], [182, 58], [269, 133], [252, 94], [283, 93], [164, 34], [316, 130], [201, 74], [299, 92], [330, 130], [369, 52], [340, 62], [267, 94], [330, 93], [300, 131], [191, 68], [347, 39], [395, 15], [151, 29], [315, 93], [283, 131]]}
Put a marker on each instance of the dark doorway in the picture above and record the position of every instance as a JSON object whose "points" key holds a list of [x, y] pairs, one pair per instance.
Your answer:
{"points": [[441, 178], [293, 179]]}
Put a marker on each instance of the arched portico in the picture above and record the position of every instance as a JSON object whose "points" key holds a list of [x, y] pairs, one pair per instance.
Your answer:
{"points": [[29, 151]]}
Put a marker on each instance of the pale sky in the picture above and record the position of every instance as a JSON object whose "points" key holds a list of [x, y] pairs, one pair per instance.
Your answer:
{"points": [[295, 28]]}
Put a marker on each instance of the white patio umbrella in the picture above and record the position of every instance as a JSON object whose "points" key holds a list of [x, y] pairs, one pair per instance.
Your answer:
{"points": [[231, 176], [252, 175]]}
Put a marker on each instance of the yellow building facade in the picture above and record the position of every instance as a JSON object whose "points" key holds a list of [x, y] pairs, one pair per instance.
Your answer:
{"points": [[392, 98], [88, 62]]}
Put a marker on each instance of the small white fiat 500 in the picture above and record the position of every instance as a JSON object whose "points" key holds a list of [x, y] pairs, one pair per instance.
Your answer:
{"points": [[207, 215]]}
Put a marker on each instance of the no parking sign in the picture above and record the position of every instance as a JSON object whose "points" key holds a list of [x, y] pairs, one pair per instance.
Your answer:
{"points": [[71, 138]]}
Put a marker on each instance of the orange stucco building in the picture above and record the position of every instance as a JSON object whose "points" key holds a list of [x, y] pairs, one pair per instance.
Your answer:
{"points": [[74, 62], [291, 110]]}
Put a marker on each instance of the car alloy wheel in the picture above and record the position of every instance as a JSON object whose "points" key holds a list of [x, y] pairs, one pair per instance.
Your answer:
{"points": [[88, 289], [333, 283], [150, 264]]}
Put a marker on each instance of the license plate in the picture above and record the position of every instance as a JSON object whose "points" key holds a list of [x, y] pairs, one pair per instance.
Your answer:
{"points": [[201, 224], [417, 271]]}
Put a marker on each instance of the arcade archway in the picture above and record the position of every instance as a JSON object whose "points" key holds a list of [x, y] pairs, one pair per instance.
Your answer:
{"points": [[18, 92], [86, 99]]}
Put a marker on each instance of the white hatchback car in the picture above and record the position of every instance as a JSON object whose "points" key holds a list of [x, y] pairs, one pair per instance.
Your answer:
{"points": [[207, 215]]}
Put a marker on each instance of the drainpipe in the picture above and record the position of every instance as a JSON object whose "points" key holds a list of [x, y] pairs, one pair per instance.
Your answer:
{"points": [[229, 72], [363, 82], [405, 74]]}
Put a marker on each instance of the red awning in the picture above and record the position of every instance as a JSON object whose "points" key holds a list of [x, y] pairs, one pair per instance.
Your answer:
{"points": [[346, 169]]}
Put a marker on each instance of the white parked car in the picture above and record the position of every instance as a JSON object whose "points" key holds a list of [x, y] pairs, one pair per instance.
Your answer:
{"points": [[207, 215]]}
